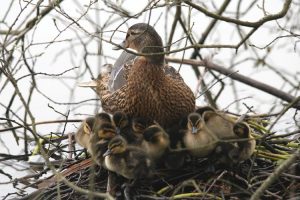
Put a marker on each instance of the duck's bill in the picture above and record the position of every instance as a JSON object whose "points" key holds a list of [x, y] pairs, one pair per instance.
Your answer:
{"points": [[88, 84]]}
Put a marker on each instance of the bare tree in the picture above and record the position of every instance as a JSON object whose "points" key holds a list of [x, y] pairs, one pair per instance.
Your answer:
{"points": [[241, 57]]}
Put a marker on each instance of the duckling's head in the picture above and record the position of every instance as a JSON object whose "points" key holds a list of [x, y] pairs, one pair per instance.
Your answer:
{"points": [[203, 109], [194, 123], [242, 130], [154, 134], [120, 120], [103, 117], [88, 125], [105, 131], [116, 146], [138, 125], [144, 39]]}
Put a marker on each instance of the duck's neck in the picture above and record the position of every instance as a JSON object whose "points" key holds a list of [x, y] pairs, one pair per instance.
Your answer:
{"points": [[147, 69]]}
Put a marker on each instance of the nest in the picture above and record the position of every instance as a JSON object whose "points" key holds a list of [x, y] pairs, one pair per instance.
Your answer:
{"points": [[195, 179]]}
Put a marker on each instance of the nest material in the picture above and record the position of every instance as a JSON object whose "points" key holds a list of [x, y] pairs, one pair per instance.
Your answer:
{"points": [[196, 179]]}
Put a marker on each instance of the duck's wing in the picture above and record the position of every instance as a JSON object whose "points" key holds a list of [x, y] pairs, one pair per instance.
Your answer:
{"points": [[117, 78], [171, 71]]}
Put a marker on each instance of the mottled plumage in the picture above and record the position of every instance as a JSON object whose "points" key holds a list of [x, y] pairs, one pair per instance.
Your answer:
{"points": [[151, 90]]}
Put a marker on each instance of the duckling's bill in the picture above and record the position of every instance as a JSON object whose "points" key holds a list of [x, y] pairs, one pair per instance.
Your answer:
{"points": [[107, 153]]}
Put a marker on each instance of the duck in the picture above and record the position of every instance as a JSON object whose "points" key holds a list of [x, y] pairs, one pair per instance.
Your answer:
{"points": [[128, 161], [198, 139], [152, 89], [156, 141], [84, 132]]}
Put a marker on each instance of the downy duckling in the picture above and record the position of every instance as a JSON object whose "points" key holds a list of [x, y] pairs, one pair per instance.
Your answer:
{"points": [[198, 139], [123, 126], [138, 126], [156, 141], [99, 141], [129, 161], [219, 123], [203, 109], [247, 147], [83, 134], [230, 153]]}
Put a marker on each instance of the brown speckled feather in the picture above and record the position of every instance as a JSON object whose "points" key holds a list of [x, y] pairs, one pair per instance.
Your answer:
{"points": [[150, 93], [152, 90]]}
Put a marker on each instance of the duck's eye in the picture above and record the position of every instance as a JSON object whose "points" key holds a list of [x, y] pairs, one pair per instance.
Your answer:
{"points": [[127, 35]]}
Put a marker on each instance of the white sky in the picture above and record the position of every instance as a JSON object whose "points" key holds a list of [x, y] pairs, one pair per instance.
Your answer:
{"points": [[56, 58]]}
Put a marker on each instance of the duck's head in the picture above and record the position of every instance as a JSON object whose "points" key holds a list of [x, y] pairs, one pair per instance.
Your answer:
{"points": [[105, 131], [116, 146], [194, 123], [242, 130], [154, 134], [120, 120], [143, 38]]}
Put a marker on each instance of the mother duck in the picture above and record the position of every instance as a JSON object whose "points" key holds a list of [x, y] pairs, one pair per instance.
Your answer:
{"points": [[151, 90]]}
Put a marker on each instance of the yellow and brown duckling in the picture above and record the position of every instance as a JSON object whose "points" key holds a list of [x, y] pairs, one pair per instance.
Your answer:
{"points": [[103, 133], [156, 141], [149, 91], [128, 161], [231, 153], [86, 129], [198, 139], [247, 146], [219, 123]]}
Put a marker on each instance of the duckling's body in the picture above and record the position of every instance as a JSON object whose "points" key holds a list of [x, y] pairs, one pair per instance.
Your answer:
{"points": [[82, 135], [149, 91], [219, 123], [231, 153], [156, 141], [247, 147], [198, 139], [129, 161]]}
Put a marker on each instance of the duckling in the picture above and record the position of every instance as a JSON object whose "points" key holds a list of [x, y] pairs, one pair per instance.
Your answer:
{"points": [[198, 139], [203, 109], [156, 141], [83, 134], [138, 126], [103, 133], [129, 161], [149, 91], [231, 153], [245, 148], [219, 123], [121, 122]]}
